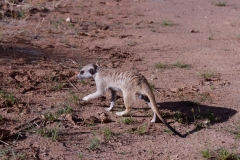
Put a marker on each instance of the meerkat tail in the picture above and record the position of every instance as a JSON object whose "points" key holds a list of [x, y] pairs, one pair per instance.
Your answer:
{"points": [[155, 110]]}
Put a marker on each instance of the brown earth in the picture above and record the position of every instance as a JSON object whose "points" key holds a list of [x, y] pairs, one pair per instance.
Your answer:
{"points": [[188, 50]]}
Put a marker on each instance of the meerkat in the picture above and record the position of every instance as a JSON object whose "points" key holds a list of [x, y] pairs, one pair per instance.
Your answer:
{"points": [[130, 83]]}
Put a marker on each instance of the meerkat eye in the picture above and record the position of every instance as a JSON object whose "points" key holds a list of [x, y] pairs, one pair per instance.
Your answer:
{"points": [[81, 72]]}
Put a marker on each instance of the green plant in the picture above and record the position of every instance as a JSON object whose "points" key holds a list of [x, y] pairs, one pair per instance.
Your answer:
{"points": [[132, 43], [211, 37], [223, 154], [203, 98], [85, 82], [206, 153], [142, 129], [57, 86], [181, 65], [80, 155], [108, 133], [122, 153], [152, 86], [219, 3], [153, 30], [212, 87], [167, 130], [127, 121], [168, 23], [49, 117], [160, 65], [21, 14], [207, 74], [50, 133], [3, 151], [1, 118], [178, 117], [65, 110], [73, 98], [94, 143], [6, 99], [54, 133], [210, 116]]}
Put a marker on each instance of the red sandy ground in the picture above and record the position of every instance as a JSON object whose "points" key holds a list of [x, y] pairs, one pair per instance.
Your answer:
{"points": [[41, 54]]}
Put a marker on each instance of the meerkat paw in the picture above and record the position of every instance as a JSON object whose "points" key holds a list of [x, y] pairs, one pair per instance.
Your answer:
{"points": [[153, 120], [108, 109], [120, 113], [85, 99]]}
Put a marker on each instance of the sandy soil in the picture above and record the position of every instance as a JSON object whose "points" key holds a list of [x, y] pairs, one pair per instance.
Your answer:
{"points": [[188, 50]]}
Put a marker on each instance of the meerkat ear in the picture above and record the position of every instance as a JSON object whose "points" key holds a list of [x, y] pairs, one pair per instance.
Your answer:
{"points": [[92, 71], [97, 64]]}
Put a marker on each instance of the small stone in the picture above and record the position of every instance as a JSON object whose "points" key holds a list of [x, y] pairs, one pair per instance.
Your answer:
{"points": [[104, 118], [174, 90], [68, 19]]}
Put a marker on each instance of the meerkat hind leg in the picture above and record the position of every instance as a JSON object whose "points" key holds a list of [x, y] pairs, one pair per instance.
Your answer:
{"points": [[113, 100], [128, 100], [155, 118]]}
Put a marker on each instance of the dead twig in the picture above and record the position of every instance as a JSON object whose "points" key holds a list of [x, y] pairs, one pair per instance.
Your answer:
{"points": [[72, 84], [4, 142]]}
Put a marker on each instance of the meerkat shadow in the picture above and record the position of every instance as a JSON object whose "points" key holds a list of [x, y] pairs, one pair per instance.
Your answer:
{"points": [[188, 112]]}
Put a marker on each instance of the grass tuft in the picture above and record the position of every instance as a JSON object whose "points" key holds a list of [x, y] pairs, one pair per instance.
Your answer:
{"points": [[94, 143], [127, 121], [220, 3], [168, 23], [160, 65], [207, 74], [181, 65]]}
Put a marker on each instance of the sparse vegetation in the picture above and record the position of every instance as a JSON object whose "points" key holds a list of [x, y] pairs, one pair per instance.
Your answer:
{"points": [[94, 143], [199, 98], [80, 155], [221, 154], [168, 23], [73, 98], [49, 116], [40, 96], [177, 64], [141, 130], [160, 65], [203, 98], [108, 133], [219, 3], [56, 86], [152, 86], [206, 153], [127, 121], [181, 65], [236, 132], [65, 110], [6, 99], [178, 117], [1, 118], [167, 131], [49, 133], [207, 74], [132, 43]]}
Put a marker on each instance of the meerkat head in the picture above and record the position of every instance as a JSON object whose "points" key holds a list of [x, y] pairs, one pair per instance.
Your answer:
{"points": [[88, 71]]}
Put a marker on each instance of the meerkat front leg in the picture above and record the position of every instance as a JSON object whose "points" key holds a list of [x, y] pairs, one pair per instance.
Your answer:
{"points": [[100, 91], [113, 100], [92, 96]]}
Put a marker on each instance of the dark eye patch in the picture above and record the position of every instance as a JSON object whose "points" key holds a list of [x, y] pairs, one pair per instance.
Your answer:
{"points": [[81, 72]]}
